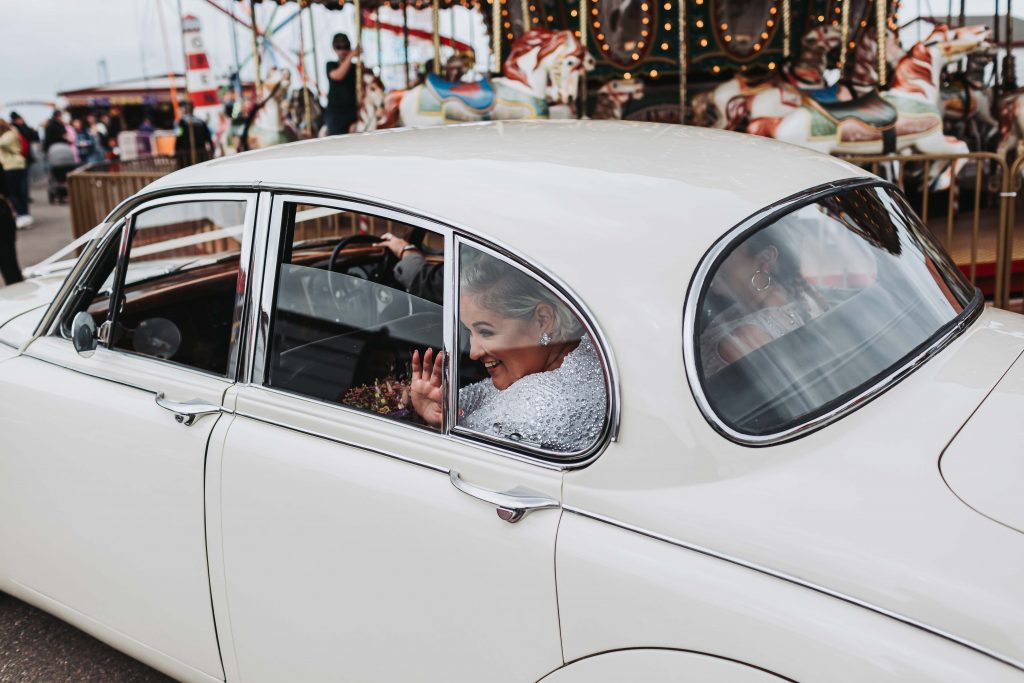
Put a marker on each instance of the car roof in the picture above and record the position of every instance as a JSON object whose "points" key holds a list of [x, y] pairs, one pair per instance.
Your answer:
{"points": [[612, 192]]}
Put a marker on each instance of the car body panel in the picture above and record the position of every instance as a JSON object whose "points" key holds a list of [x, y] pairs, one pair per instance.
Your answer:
{"points": [[658, 666], [114, 489], [858, 508], [20, 329], [336, 556], [27, 295], [985, 464], [622, 589]]}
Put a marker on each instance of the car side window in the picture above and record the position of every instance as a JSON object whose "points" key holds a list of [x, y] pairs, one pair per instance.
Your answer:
{"points": [[529, 374], [180, 300], [348, 313]]}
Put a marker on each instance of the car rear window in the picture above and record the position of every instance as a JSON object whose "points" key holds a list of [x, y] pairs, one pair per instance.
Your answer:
{"points": [[810, 307]]}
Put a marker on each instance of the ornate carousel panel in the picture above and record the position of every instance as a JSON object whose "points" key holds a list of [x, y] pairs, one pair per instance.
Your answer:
{"points": [[623, 29], [743, 27]]}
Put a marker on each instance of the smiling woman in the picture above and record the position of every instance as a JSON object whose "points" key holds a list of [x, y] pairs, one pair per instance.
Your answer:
{"points": [[544, 386]]}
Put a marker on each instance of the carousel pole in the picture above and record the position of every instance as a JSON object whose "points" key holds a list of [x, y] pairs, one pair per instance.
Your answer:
{"points": [[681, 4], [380, 46], [359, 58], [405, 40], [880, 33], [963, 15], [255, 50], [524, 8], [316, 58], [844, 37], [1009, 64], [305, 77], [496, 36], [184, 57], [581, 109], [435, 14], [785, 29]]}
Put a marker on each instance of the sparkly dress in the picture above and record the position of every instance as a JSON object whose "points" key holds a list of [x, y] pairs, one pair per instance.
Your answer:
{"points": [[559, 410]]}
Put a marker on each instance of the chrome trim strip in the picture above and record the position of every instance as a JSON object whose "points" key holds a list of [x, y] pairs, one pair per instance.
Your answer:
{"points": [[239, 345], [257, 276], [1010, 661], [696, 287], [368, 449]]}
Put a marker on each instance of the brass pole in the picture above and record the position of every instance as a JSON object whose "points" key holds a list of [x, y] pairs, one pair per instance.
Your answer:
{"points": [[359, 58], [405, 40], [255, 49], [380, 46], [524, 7], [845, 36], [316, 58], [496, 35], [581, 108], [682, 60], [880, 33], [785, 29], [436, 17], [305, 77]]}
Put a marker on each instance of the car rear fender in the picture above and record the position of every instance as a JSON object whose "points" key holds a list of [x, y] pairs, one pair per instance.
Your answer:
{"points": [[658, 666]]}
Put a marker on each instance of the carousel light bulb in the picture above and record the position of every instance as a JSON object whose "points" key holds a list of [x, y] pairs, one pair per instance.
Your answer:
{"points": [[835, 22], [864, 24], [770, 23], [510, 36], [703, 43], [820, 17], [852, 44], [594, 11], [773, 10], [716, 68], [550, 18], [536, 20], [573, 14], [597, 24], [640, 45], [654, 73], [627, 75], [605, 48], [728, 39], [668, 6], [600, 36], [725, 26], [533, 8], [668, 27], [757, 46], [645, 33], [636, 57], [645, 7], [839, 10], [508, 25], [764, 35], [700, 23], [771, 65], [664, 46]]}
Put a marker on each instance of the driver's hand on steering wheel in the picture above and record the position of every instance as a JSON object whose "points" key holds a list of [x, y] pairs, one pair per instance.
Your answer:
{"points": [[394, 244], [425, 388]]}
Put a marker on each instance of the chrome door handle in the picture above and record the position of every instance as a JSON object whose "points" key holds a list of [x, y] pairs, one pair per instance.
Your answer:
{"points": [[187, 412], [511, 505]]}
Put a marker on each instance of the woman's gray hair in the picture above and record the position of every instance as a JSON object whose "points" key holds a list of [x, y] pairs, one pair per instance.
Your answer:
{"points": [[511, 293]]}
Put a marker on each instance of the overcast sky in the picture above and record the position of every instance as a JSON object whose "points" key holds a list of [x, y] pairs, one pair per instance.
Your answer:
{"points": [[51, 45]]}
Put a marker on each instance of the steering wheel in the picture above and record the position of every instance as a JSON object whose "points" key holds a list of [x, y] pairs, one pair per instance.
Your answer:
{"points": [[345, 299], [387, 261]]}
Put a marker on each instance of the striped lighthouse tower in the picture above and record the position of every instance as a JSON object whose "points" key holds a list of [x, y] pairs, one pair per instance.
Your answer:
{"points": [[202, 90]]}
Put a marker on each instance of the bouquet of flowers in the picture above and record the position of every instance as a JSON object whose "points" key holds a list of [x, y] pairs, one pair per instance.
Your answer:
{"points": [[388, 396]]}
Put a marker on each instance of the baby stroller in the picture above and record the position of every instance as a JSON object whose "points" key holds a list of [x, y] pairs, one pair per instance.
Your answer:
{"points": [[61, 160]]}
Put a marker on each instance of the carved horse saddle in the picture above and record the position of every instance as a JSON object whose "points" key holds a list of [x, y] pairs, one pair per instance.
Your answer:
{"points": [[826, 95], [478, 96], [870, 111]]}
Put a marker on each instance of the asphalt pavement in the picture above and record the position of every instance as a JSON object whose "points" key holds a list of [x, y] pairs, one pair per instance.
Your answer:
{"points": [[34, 646]]}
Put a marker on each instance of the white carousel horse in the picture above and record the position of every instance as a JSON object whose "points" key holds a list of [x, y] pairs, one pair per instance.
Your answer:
{"points": [[967, 103], [613, 96], [542, 71], [266, 124], [864, 76], [295, 112], [741, 99], [905, 116]]}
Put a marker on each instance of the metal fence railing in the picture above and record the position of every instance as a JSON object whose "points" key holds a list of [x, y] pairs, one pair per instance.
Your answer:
{"points": [[94, 190]]}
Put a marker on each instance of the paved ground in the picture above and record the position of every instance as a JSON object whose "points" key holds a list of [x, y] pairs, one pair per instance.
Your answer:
{"points": [[35, 647]]}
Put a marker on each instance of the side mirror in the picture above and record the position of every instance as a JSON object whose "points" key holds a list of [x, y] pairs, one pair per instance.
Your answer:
{"points": [[83, 334]]}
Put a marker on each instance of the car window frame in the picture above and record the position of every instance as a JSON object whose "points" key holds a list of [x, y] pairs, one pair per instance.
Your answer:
{"points": [[122, 230], [255, 368], [708, 267]]}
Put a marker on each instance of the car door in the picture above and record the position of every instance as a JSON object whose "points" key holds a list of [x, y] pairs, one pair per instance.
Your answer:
{"points": [[102, 466], [348, 548]]}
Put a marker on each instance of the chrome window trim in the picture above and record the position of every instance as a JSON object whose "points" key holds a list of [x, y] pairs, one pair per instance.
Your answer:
{"points": [[123, 226], [790, 578], [451, 235], [936, 342]]}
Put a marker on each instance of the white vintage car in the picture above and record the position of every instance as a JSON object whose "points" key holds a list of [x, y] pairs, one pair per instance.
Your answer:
{"points": [[709, 408]]}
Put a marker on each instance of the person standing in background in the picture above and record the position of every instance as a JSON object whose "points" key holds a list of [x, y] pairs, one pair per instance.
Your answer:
{"points": [[10, 271], [85, 141], [54, 131], [28, 133], [15, 169], [342, 107]]}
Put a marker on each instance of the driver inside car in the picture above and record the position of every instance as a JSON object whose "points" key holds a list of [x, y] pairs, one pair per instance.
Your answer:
{"points": [[769, 298], [419, 278]]}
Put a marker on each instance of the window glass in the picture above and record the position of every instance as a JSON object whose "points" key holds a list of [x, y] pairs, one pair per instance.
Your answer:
{"points": [[350, 310], [180, 300], [808, 311], [528, 371]]}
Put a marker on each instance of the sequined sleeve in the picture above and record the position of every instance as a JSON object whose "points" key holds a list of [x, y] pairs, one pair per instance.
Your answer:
{"points": [[561, 410]]}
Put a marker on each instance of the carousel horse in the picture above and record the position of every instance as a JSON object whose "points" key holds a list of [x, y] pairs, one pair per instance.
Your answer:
{"points": [[967, 102], [542, 71], [742, 98], [265, 125], [374, 112], [613, 96], [295, 112], [905, 116], [864, 76]]}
